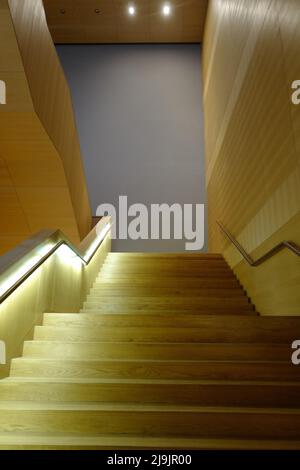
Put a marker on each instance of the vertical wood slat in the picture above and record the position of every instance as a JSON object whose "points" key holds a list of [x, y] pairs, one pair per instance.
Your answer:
{"points": [[252, 141]]}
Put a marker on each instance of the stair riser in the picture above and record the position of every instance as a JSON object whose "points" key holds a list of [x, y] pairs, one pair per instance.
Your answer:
{"points": [[154, 351], [167, 256], [192, 267], [203, 395], [164, 292], [155, 370], [154, 423], [173, 335], [214, 274], [180, 302], [166, 262], [169, 266], [91, 320], [244, 311], [172, 270], [151, 307], [170, 282]]}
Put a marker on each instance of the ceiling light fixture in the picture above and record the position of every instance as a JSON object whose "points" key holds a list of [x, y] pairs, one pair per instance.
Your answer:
{"points": [[131, 10], [166, 9]]}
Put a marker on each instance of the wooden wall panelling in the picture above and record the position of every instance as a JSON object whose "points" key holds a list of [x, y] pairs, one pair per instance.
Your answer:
{"points": [[252, 141], [42, 181], [51, 98]]}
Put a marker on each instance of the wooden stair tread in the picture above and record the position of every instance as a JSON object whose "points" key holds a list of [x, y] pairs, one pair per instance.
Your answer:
{"points": [[240, 370], [138, 291], [210, 328], [194, 301], [142, 407], [113, 441], [152, 350], [145, 381], [165, 255], [257, 321], [87, 318], [228, 283], [257, 394], [153, 310]]}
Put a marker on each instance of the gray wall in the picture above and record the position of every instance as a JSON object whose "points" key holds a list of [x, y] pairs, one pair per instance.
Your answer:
{"points": [[140, 122]]}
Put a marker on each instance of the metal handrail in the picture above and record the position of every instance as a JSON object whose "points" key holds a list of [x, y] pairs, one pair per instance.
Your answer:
{"points": [[27, 249], [293, 247]]}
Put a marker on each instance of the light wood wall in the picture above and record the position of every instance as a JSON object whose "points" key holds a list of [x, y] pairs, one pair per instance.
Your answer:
{"points": [[42, 183], [252, 133], [60, 285]]}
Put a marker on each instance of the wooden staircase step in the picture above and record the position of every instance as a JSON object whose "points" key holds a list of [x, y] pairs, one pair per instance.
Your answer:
{"points": [[167, 264], [220, 329], [166, 282], [158, 310], [180, 264], [165, 256], [163, 351], [63, 441], [108, 272], [121, 320], [187, 370], [175, 300], [165, 277], [197, 392], [194, 304], [102, 291], [150, 420]]}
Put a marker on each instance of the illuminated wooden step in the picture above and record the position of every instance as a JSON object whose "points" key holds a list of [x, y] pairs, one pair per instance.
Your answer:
{"points": [[196, 311], [188, 272], [150, 420], [220, 329], [159, 256], [148, 291], [142, 369], [63, 441], [205, 393], [169, 303], [167, 264], [144, 276], [176, 261], [195, 299], [117, 320], [167, 282], [163, 351], [142, 310]]}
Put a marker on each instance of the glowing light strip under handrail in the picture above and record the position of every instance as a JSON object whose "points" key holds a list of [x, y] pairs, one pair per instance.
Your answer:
{"points": [[16, 279]]}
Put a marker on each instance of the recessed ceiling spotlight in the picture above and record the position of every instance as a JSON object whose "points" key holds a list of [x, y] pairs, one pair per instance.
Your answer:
{"points": [[62, 11], [166, 9], [131, 10], [97, 11]]}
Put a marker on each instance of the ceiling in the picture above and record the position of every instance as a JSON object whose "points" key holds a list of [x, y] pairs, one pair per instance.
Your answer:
{"points": [[107, 21]]}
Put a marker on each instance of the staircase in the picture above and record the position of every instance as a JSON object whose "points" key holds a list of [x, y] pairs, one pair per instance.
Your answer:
{"points": [[167, 352]]}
